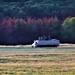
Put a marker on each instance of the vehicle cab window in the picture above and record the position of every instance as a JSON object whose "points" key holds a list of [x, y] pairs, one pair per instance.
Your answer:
{"points": [[35, 42]]}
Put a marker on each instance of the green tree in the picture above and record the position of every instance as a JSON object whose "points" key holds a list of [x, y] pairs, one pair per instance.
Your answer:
{"points": [[69, 30], [56, 29]]}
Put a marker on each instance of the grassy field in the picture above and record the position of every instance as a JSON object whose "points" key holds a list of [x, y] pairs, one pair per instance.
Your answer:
{"points": [[24, 60]]}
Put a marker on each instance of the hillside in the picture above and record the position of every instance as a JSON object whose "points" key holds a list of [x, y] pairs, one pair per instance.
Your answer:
{"points": [[37, 8], [23, 21]]}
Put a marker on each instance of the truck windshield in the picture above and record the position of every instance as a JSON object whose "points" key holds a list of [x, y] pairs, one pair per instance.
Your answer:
{"points": [[35, 42]]}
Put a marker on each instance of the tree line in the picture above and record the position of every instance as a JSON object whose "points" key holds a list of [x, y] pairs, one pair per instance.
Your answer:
{"points": [[25, 31]]}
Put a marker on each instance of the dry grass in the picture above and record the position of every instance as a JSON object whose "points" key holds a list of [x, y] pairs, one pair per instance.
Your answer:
{"points": [[49, 64], [37, 61]]}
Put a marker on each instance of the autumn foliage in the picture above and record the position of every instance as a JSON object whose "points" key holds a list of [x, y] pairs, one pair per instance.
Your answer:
{"points": [[25, 31]]}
